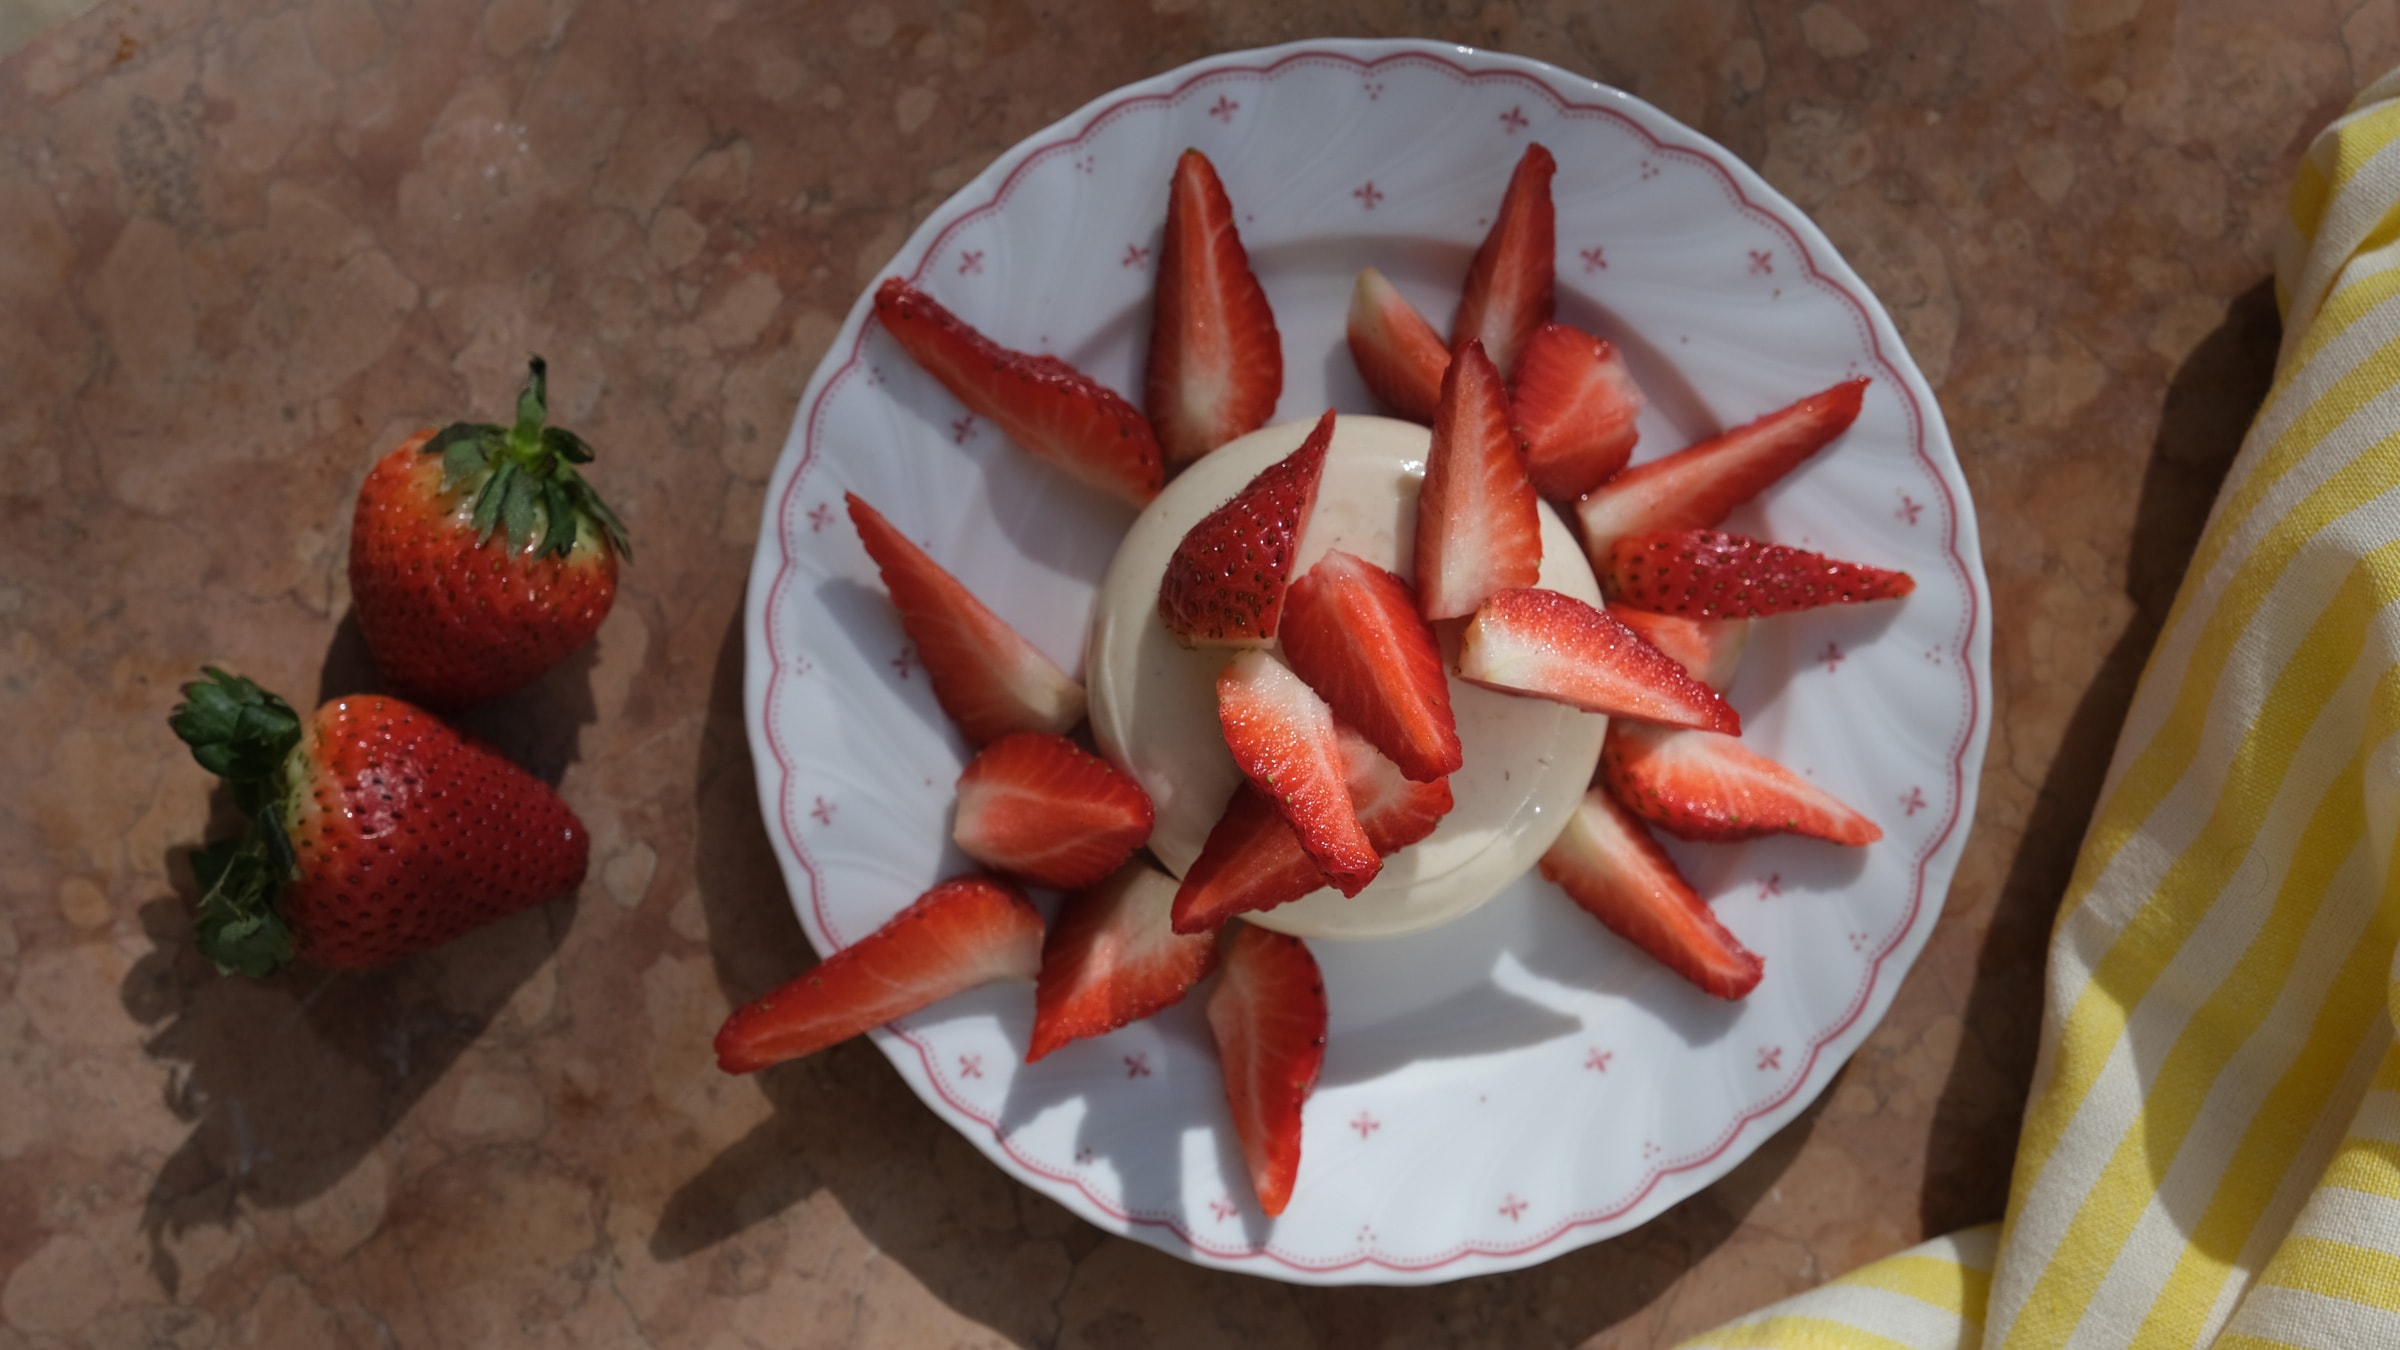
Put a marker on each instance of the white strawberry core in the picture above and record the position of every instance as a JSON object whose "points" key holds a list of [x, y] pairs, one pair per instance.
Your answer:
{"points": [[1154, 701]]}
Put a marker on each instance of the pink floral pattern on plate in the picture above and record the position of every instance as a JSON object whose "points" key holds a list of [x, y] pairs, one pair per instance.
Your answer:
{"points": [[1444, 1139]]}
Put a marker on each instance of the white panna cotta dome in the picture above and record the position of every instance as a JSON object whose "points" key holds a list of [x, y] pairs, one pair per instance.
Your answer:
{"points": [[1154, 701]]}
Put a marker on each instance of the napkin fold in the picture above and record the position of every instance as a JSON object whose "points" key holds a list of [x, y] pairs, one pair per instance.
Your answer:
{"points": [[2211, 1152]]}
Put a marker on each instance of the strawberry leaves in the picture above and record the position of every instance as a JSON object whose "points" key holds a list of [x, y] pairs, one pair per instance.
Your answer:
{"points": [[522, 477], [244, 735]]}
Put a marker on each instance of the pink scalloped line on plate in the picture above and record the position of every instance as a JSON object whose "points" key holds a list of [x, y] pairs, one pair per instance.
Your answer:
{"points": [[1971, 695]]}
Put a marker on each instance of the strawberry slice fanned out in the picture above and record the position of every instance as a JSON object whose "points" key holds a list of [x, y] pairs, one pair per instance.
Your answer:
{"points": [[1512, 285], [965, 932], [1268, 1013], [1707, 574], [1352, 631], [1397, 352], [1547, 645], [986, 676], [1711, 649], [1216, 364], [1575, 406], [1698, 486], [1042, 808], [1614, 871], [1253, 859], [1053, 410], [1479, 525], [1282, 736], [1112, 959], [1706, 786], [1224, 585]]}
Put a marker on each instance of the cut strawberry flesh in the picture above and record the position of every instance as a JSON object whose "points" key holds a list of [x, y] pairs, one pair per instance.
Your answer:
{"points": [[1113, 958], [1268, 1014], [1547, 645], [1282, 736], [1711, 649], [1614, 871], [986, 676], [1698, 486], [1706, 786], [964, 932], [1216, 364], [1048, 407], [1224, 585], [1575, 405], [1707, 574], [1253, 859], [1397, 352], [1351, 630], [1042, 808], [1479, 525], [1511, 287]]}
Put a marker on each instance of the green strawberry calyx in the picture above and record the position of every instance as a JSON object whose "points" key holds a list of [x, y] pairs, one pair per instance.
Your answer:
{"points": [[522, 478], [246, 736]]}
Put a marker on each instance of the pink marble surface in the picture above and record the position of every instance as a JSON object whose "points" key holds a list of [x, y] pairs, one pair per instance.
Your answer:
{"points": [[246, 246]]}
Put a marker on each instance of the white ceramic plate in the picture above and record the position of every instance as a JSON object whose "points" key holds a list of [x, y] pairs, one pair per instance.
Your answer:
{"points": [[1518, 1083]]}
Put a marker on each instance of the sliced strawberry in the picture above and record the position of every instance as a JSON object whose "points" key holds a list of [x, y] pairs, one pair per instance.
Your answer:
{"points": [[1706, 574], [1268, 1014], [1042, 808], [984, 674], [1511, 287], [1698, 486], [1711, 649], [964, 932], [1614, 871], [1554, 646], [1112, 959], [1216, 365], [1282, 736], [1575, 406], [1253, 859], [1043, 404], [1352, 631], [1224, 585], [1479, 525], [1702, 785], [1397, 353]]}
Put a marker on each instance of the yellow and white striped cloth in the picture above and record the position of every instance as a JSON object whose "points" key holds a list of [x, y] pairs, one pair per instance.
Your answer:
{"points": [[2211, 1155]]}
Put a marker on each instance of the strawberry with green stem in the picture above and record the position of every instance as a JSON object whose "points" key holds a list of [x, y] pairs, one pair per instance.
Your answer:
{"points": [[479, 557]]}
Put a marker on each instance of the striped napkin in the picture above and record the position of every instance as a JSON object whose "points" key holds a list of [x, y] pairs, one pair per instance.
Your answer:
{"points": [[2211, 1156]]}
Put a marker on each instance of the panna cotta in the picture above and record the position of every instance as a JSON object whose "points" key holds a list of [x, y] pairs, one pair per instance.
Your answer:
{"points": [[1154, 700]]}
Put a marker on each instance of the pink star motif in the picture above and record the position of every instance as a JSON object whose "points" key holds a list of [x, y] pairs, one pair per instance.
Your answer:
{"points": [[1910, 508], [1831, 657], [1770, 1057], [904, 662], [962, 430], [1762, 262], [1914, 801], [1365, 1233], [970, 261], [1858, 942], [820, 516], [1223, 109], [1374, 90], [1365, 1124], [1514, 120], [1650, 1149], [1085, 163], [1368, 194], [970, 1066], [1597, 1061], [1135, 256], [823, 811], [1085, 1154], [1772, 886], [1594, 260], [1513, 1208], [874, 377], [1223, 1208], [1137, 1066], [1649, 171]]}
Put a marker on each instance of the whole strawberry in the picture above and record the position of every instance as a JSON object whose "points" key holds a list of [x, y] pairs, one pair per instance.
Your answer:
{"points": [[375, 830], [479, 558]]}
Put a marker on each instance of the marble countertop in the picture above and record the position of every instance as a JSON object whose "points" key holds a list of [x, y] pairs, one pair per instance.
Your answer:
{"points": [[244, 246]]}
